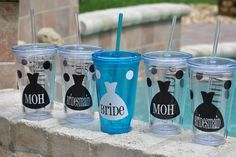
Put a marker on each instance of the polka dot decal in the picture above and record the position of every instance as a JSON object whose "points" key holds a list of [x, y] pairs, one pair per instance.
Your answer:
{"points": [[24, 62], [46, 65], [98, 74], [91, 68], [153, 71], [226, 94], [181, 83], [199, 76], [227, 84], [19, 74], [94, 77], [66, 77], [179, 74], [65, 63], [191, 94], [149, 82], [129, 75]]}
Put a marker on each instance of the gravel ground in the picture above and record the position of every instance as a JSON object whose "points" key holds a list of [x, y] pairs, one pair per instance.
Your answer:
{"points": [[205, 13]]}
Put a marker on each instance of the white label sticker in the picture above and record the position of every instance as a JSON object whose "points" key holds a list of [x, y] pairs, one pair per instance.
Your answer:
{"points": [[112, 107]]}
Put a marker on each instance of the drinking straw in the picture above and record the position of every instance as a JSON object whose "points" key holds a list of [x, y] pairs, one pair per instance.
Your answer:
{"points": [[78, 27], [171, 33], [32, 20], [217, 37], [215, 45], [119, 30]]}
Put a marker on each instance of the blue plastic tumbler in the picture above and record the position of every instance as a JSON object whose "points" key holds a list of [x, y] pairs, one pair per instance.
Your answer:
{"points": [[116, 80]]}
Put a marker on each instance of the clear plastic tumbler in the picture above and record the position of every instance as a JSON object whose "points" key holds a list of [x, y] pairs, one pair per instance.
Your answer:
{"points": [[116, 81], [36, 75], [78, 82], [211, 83], [166, 73]]}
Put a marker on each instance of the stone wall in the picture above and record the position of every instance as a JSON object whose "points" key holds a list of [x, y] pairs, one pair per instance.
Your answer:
{"points": [[227, 7]]}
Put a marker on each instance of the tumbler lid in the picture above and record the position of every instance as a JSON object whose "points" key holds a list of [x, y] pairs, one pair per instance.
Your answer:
{"points": [[78, 51], [116, 57], [212, 64], [34, 49], [166, 57]]}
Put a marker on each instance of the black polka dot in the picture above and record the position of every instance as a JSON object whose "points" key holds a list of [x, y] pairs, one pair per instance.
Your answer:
{"points": [[23, 62], [94, 77], [66, 77], [19, 74], [181, 83], [46, 65], [179, 74], [191, 94], [153, 71], [149, 82], [226, 94], [65, 63], [199, 76], [227, 84], [91, 68]]}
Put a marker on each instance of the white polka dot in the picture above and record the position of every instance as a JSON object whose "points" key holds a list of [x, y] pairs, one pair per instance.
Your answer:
{"points": [[98, 74], [129, 75]]}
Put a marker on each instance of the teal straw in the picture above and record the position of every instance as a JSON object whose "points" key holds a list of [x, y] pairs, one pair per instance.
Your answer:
{"points": [[119, 30]]}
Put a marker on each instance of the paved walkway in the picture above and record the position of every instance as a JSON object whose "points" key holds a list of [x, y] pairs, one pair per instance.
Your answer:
{"points": [[204, 33]]}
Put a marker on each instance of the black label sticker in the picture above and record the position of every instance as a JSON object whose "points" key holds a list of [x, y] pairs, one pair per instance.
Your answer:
{"points": [[77, 96], [164, 105], [207, 117], [34, 96]]}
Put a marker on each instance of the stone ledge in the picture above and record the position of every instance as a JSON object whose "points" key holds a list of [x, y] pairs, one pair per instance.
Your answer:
{"points": [[103, 20], [227, 49], [56, 137]]}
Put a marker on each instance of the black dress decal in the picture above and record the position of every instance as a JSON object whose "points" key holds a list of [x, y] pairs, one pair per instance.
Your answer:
{"points": [[149, 82], [77, 96], [66, 77], [227, 84], [207, 116], [34, 96], [19, 74], [164, 105]]}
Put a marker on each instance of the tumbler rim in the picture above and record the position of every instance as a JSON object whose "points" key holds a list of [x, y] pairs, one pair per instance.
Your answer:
{"points": [[166, 57], [78, 50], [212, 64], [116, 57], [34, 49]]}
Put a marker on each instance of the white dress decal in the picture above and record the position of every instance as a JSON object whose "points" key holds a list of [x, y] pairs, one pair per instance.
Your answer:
{"points": [[112, 107]]}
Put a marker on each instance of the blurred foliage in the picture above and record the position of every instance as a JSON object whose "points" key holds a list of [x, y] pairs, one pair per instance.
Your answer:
{"points": [[90, 5]]}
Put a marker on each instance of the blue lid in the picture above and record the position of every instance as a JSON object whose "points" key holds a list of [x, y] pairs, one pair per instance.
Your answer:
{"points": [[34, 49], [78, 51], [120, 57], [212, 64], [166, 57]]}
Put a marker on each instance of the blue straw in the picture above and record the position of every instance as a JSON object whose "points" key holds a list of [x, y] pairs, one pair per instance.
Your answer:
{"points": [[119, 30]]}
